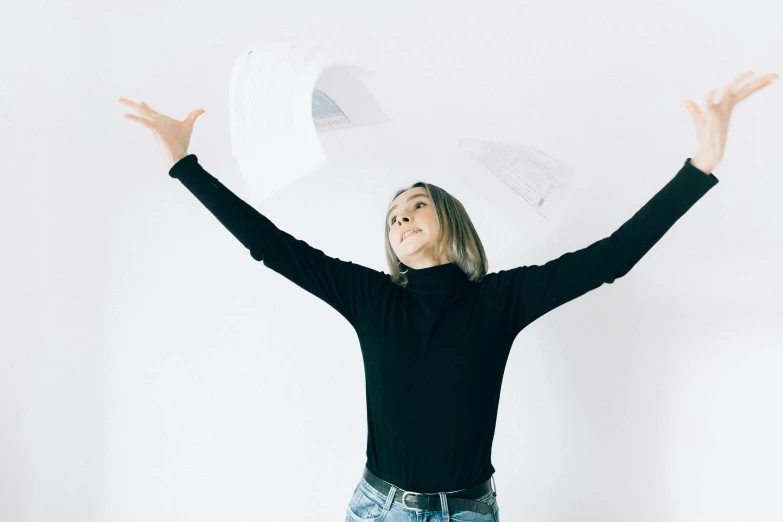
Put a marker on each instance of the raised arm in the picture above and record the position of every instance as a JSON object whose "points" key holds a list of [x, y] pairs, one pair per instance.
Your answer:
{"points": [[345, 286], [531, 291]]}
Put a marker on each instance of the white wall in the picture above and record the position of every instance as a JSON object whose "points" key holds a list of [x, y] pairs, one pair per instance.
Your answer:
{"points": [[152, 370]]}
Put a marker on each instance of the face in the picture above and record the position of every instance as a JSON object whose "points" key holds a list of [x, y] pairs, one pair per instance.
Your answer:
{"points": [[413, 210]]}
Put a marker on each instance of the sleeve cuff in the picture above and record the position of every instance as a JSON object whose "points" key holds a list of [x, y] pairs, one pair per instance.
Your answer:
{"points": [[708, 176], [182, 165]]}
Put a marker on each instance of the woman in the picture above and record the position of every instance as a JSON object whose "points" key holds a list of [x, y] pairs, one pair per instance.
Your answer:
{"points": [[436, 332]]}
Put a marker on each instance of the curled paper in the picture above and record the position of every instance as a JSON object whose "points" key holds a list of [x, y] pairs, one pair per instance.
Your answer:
{"points": [[281, 96]]}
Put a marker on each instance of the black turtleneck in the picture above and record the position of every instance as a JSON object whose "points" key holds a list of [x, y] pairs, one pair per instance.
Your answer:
{"points": [[435, 350], [434, 279]]}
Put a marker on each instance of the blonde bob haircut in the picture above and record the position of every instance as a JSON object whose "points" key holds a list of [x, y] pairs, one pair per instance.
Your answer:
{"points": [[457, 237]]}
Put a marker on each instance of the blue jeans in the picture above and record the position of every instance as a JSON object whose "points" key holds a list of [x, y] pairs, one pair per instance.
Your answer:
{"points": [[369, 505]]}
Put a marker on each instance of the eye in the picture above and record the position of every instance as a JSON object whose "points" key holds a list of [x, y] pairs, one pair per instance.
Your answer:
{"points": [[417, 204]]}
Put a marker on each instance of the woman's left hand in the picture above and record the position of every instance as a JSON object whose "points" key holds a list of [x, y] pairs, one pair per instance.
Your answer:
{"points": [[712, 126]]}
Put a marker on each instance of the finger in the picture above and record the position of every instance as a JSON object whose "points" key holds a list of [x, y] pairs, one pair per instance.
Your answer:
{"points": [[142, 108], [738, 80], [754, 87], [742, 77], [728, 92], [693, 108], [125, 101], [143, 121], [148, 108]]}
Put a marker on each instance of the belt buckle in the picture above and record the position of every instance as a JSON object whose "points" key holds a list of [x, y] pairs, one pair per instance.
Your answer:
{"points": [[409, 493]]}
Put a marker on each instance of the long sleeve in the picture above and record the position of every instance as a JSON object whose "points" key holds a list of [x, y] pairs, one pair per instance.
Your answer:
{"points": [[345, 286], [529, 292]]}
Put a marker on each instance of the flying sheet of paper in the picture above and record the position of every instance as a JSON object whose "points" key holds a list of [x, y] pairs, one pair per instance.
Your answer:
{"points": [[522, 186], [281, 95]]}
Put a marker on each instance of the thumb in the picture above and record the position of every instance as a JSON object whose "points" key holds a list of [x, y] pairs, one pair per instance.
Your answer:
{"points": [[195, 114], [692, 108]]}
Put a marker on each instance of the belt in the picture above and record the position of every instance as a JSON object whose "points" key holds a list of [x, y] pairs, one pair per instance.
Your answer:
{"points": [[460, 499]]}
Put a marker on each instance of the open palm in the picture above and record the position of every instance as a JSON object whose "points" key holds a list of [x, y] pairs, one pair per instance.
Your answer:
{"points": [[171, 134]]}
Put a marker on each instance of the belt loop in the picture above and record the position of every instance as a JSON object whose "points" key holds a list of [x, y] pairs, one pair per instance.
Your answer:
{"points": [[493, 485], [390, 497], [444, 504]]}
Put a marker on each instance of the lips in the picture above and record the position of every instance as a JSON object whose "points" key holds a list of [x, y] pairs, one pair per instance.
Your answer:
{"points": [[402, 238]]}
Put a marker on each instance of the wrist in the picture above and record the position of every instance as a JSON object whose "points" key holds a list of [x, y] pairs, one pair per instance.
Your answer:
{"points": [[176, 156], [704, 162]]}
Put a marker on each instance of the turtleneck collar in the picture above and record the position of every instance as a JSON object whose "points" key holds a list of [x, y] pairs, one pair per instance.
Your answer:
{"points": [[435, 279]]}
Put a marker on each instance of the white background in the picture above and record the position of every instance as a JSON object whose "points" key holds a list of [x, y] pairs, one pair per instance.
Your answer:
{"points": [[151, 370]]}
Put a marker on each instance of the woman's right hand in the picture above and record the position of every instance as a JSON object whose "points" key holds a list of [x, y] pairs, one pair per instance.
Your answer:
{"points": [[172, 135]]}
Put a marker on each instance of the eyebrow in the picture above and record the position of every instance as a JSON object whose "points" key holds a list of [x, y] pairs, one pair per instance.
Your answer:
{"points": [[410, 198]]}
